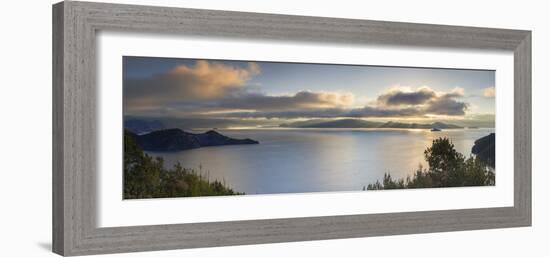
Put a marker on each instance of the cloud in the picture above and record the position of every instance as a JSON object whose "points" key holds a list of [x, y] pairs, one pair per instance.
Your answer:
{"points": [[489, 92], [456, 92], [300, 100], [217, 90], [216, 87], [426, 100], [363, 112], [403, 96], [396, 103], [203, 81], [399, 96], [446, 105]]}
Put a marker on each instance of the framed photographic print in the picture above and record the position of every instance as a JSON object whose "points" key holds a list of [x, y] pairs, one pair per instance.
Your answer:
{"points": [[181, 128]]}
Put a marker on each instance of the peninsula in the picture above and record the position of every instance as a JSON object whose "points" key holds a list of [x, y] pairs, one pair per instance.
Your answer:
{"points": [[173, 140]]}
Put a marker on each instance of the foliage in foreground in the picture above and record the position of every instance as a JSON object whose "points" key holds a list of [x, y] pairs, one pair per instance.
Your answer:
{"points": [[446, 168], [146, 177]]}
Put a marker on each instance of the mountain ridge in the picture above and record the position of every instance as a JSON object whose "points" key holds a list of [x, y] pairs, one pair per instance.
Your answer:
{"points": [[175, 139], [356, 123]]}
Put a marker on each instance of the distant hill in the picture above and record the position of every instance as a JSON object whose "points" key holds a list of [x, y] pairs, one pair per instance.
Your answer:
{"points": [[356, 123], [172, 140], [484, 148], [139, 126], [437, 125], [346, 123]]}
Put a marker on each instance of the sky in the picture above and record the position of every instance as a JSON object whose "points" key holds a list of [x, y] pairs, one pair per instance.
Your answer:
{"points": [[196, 93]]}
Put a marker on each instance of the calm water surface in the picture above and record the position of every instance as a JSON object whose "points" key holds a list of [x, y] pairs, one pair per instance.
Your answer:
{"points": [[316, 160]]}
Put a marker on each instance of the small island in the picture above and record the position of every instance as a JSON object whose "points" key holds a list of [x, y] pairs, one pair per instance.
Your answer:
{"points": [[172, 140]]}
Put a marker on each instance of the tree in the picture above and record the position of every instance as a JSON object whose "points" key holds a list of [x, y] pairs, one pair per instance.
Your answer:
{"points": [[146, 177], [444, 163], [141, 172], [446, 168]]}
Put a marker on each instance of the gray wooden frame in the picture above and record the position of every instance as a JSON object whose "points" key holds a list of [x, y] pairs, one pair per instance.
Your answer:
{"points": [[75, 25]]}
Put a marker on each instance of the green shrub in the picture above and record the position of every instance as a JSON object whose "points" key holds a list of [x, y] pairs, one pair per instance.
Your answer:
{"points": [[446, 168], [146, 177]]}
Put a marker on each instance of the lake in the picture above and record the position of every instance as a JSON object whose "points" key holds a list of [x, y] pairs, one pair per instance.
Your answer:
{"points": [[317, 160]]}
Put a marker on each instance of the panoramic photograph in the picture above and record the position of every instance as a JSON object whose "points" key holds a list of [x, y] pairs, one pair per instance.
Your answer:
{"points": [[198, 127]]}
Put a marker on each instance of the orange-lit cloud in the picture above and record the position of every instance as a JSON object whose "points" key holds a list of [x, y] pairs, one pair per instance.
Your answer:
{"points": [[489, 92], [203, 81], [218, 86], [210, 88], [299, 100]]}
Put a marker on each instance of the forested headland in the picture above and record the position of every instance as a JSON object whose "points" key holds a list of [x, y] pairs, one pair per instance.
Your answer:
{"points": [[146, 177], [446, 168]]}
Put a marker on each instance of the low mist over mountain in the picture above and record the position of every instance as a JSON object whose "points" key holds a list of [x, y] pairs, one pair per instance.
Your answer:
{"points": [[141, 126], [356, 123]]}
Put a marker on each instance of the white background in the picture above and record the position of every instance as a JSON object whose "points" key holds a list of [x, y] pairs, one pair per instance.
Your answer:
{"points": [[25, 131], [116, 212]]}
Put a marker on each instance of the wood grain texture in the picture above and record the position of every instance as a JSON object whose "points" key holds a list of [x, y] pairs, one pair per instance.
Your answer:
{"points": [[58, 230], [75, 25], [522, 128]]}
